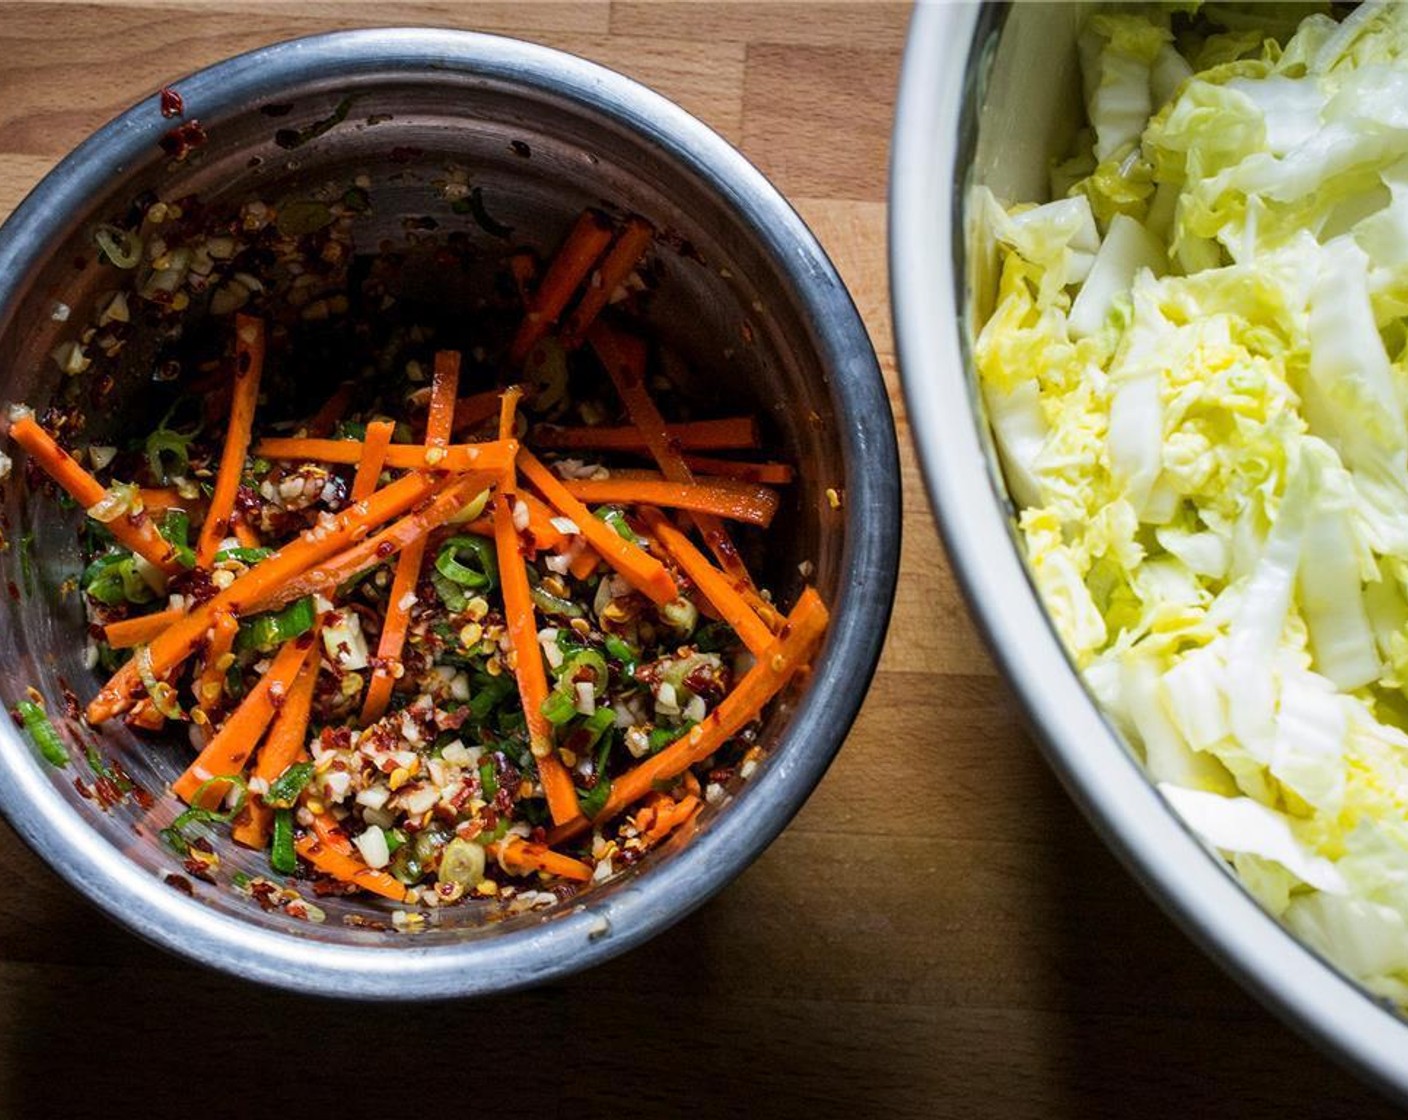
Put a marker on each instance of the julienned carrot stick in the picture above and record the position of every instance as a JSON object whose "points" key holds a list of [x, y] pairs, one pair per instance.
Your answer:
{"points": [[138, 532], [444, 391], [662, 814], [284, 746], [645, 573], [444, 388], [145, 715], [790, 651], [624, 255], [289, 732], [712, 584], [739, 433], [210, 681], [399, 456], [521, 622], [330, 850], [520, 857], [474, 410], [244, 532], [249, 366], [769, 474], [232, 745], [373, 458], [545, 534], [332, 410], [528, 666], [140, 630], [348, 868], [252, 827], [508, 420], [326, 577], [174, 645], [574, 261], [744, 476], [584, 563], [739, 501], [162, 498], [624, 357]]}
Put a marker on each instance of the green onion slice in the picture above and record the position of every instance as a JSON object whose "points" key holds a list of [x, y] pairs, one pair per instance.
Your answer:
{"points": [[469, 561], [267, 631], [284, 790], [174, 834], [282, 857], [42, 733]]}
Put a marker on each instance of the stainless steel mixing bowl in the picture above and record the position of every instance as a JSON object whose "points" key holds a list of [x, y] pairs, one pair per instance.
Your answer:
{"points": [[745, 295], [988, 95]]}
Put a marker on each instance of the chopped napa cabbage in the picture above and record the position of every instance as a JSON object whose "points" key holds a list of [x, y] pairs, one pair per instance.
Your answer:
{"points": [[1239, 824], [1118, 54], [1195, 365], [1128, 247]]}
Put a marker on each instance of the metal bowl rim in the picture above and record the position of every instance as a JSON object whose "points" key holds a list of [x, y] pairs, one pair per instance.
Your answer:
{"points": [[1190, 883], [597, 929]]}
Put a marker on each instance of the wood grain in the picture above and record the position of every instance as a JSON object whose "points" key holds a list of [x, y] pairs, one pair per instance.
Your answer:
{"points": [[938, 934]]}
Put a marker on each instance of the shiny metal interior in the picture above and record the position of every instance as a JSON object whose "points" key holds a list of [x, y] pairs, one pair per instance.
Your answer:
{"points": [[988, 96], [744, 297]]}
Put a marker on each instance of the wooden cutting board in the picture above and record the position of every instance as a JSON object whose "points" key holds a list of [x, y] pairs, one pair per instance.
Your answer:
{"points": [[938, 933]]}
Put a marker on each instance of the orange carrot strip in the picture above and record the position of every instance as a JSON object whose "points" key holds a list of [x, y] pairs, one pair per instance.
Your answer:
{"points": [[285, 745], [521, 620], [244, 532], [528, 665], [645, 573], [737, 433], [399, 456], [210, 682], [624, 357], [508, 419], [232, 745], [287, 740], [444, 391], [174, 645], [326, 828], [162, 498], [740, 501], [521, 857], [770, 474], [324, 578], [145, 716], [791, 650], [584, 563], [474, 410], [579, 253], [379, 433], [138, 532], [712, 584], [332, 410], [140, 630], [249, 366], [662, 814], [252, 827], [630, 247], [444, 388], [348, 868], [742, 474], [546, 535]]}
